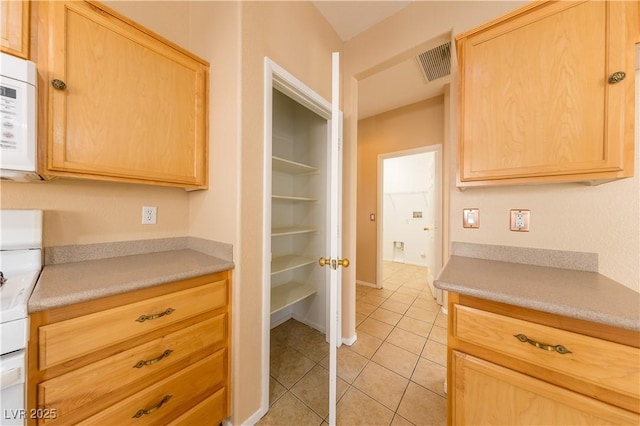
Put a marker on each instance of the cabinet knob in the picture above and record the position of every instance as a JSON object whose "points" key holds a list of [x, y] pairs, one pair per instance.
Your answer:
{"points": [[58, 84], [617, 77]]}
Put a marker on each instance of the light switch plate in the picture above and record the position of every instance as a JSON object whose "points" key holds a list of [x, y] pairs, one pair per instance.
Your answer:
{"points": [[471, 218], [520, 220]]}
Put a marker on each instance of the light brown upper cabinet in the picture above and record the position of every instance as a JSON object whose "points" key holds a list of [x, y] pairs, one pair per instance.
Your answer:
{"points": [[14, 27], [541, 97], [118, 102]]}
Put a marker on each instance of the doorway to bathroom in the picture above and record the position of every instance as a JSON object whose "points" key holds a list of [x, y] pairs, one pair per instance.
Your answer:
{"points": [[410, 213]]}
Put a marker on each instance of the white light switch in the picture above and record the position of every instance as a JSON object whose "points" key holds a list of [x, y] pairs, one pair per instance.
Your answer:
{"points": [[471, 218]]}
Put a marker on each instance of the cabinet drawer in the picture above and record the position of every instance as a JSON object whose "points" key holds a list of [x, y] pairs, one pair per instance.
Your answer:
{"points": [[479, 385], [606, 364], [211, 411], [66, 340], [167, 399], [114, 374]]}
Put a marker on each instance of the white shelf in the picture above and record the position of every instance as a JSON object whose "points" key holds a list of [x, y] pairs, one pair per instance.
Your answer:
{"points": [[291, 230], [282, 135], [292, 198], [289, 262], [291, 167], [289, 293]]}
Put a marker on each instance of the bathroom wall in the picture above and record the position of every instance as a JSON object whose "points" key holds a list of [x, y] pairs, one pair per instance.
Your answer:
{"points": [[414, 126], [409, 208]]}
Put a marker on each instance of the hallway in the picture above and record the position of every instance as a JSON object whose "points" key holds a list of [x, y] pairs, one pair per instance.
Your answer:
{"points": [[394, 373]]}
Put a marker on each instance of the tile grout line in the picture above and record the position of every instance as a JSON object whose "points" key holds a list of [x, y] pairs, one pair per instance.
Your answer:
{"points": [[369, 358]]}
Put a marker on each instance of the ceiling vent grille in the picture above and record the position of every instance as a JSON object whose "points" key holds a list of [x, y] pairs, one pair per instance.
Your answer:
{"points": [[435, 63]]}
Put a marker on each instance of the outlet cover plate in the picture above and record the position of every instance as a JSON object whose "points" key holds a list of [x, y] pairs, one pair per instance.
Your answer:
{"points": [[519, 220], [149, 215]]}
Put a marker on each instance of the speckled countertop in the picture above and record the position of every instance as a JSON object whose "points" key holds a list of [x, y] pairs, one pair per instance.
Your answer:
{"points": [[62, 284], [585, 295]]}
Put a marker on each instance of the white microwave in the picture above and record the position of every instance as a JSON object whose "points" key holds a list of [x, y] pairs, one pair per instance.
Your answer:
{"points": [[18, 114]]}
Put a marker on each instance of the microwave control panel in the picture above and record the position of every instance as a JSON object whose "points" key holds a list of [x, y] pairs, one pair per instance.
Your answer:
{"points": [[17, 114]]}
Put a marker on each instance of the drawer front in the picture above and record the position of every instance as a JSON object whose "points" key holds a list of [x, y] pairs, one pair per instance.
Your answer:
{"points": [[66, 340], [211, 411], [478, 384], [606, 364], [81, 387], [169, 398]]}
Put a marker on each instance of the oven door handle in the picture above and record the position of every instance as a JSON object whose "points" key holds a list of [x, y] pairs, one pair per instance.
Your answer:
{"points": [[10, 377]]}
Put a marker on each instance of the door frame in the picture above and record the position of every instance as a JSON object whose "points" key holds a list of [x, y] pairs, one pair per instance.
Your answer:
{"points": [[439, 211], [276, 77]]}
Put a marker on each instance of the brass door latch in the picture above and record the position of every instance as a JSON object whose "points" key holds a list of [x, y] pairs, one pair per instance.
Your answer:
{"points": [[334, 263]]}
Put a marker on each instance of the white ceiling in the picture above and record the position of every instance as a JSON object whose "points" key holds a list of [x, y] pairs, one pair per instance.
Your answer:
{"points": [[397, 84], [350, 18]]}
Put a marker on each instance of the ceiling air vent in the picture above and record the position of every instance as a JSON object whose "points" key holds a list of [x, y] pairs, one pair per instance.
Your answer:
{"points": [[435, 63]]}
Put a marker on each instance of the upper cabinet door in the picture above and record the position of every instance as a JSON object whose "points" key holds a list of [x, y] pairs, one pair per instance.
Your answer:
{"points": [[123, 103], [14, 27], [535, 101]]}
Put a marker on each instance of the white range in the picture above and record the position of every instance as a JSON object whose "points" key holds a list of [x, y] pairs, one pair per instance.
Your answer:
{"points": [[20, 266]]}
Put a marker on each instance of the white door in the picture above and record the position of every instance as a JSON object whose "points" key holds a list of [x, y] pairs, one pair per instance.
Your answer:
{"points": [[294, 298], [335, 232]]}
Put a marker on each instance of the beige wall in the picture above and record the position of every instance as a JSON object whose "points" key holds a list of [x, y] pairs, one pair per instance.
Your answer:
{"points": [[601, 219], [413, 126], [211, 30], [83, 211], [215, 36], [296, 37], [235, 37], [414, 25]]}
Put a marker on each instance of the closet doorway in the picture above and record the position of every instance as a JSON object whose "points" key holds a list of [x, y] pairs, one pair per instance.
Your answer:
{"points": [[410, 211], [302, 232]]}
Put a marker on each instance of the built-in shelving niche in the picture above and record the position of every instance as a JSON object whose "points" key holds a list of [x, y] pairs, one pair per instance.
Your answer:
{"points": [[298, 213]]}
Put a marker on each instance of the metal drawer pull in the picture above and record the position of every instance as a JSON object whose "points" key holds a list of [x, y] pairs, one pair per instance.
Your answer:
{"points": [[142, 363], [551, 348], [143, 318], [141, 413]]}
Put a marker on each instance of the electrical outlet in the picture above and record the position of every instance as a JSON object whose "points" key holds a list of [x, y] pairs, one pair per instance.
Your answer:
{"points": [[520, 220], [149, 215]]}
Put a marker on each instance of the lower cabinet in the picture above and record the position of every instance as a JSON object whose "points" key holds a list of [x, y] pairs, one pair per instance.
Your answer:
{"points": [[486, 393], [153, 356], [510, 365]]}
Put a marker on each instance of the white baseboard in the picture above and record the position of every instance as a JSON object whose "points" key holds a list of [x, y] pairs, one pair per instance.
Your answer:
{"points": [[424, 265], [280, 317], [366, 284], [252, 420], [321, 328], [350, 340]]}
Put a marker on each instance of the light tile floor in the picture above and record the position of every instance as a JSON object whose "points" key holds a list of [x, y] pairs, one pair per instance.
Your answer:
{"points": [[393, 375]]}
